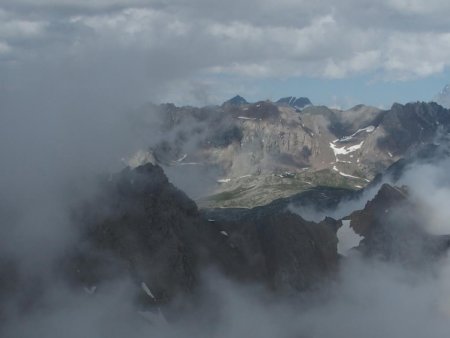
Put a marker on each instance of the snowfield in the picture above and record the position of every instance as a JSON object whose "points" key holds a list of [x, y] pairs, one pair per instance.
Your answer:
{"points": [[344, 150]]}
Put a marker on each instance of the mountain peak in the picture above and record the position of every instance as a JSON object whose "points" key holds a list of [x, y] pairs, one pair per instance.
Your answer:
{"points": [[295, 102], [236, 101]]}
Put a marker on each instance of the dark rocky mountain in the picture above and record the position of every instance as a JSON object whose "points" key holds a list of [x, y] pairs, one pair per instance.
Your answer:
{"points": [[392, 229], [412, 124], [425, 153], [143, 227], [236, 101]]}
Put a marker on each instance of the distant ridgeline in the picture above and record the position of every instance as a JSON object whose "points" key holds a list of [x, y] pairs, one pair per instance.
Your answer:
{"points": [[252, 153]]}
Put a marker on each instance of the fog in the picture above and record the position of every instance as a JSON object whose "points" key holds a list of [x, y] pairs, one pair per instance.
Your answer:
{"points": [[344, 207], [69, 113], [52, 153], [430, 186], [370, 299], [51, 160], [52, 150]]}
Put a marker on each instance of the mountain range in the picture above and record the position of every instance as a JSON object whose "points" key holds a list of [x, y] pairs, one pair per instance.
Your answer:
{"points": [[294, 192], [253, 153], [278, 166]]}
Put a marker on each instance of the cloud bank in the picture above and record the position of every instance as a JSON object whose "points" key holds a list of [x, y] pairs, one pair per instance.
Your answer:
{"points": [[178, 50]]}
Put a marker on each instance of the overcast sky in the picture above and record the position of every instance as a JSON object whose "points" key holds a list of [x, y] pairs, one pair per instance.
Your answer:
{"points": [[203, 51]]}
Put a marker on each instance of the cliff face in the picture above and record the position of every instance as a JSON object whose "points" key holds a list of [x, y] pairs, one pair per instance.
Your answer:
{"points": [[393, 229], [145, 228]]}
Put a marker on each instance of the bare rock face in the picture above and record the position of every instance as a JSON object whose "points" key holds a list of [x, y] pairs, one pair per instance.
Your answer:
{"points": [[145, 228], [281, 247], [387, 199], [392, 227], [235, 101], [412, 124], [279, 150], [142, 228]]}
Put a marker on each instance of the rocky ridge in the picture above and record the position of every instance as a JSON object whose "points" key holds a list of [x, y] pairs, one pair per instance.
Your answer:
{"points": [[154, 234], [262, 151]]}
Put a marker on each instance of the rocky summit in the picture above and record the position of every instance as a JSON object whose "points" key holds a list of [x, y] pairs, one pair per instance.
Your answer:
{"points": [[392, 227], [155, 234], [143, 228]]}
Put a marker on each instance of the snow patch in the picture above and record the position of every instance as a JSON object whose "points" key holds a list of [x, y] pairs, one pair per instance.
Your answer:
{"points": [[181, 159], [246, 118], [224, 180], [147, 290], [244, 176], [368, 129], [187, 163], [224, 233], [344, 150], [347, 175]]}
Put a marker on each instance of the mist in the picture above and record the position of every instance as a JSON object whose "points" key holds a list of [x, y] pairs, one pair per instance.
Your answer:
{"points": [[72, 86], [52, 153], [369, 298]]}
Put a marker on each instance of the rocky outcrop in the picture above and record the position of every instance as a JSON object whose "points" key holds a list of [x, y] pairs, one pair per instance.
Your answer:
{"points": [[393, 229], [235, 101], [143, 227], [412, 124], [281, 247]]}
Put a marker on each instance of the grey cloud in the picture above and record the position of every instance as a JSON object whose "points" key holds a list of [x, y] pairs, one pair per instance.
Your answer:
{"points": [[163, 44]]}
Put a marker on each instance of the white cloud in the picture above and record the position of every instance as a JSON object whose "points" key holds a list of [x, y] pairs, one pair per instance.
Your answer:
{"points": [[180, 41], [419, 6], [416, 55], [13, 27]]}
